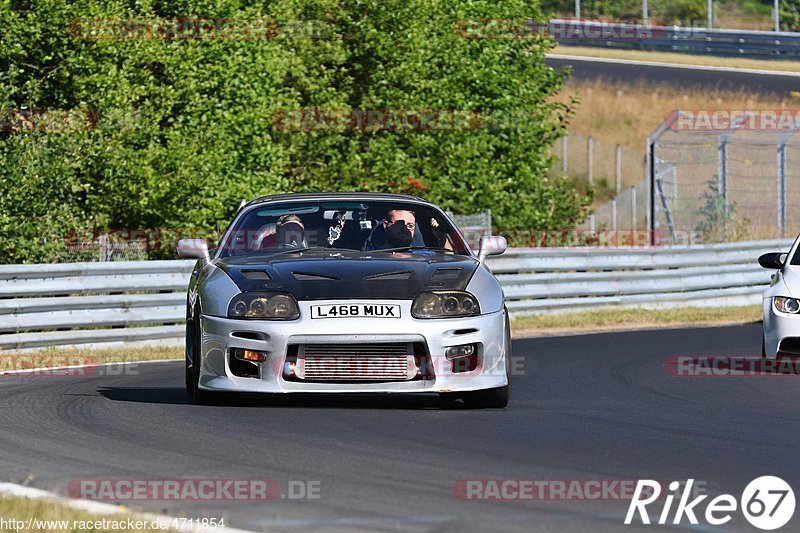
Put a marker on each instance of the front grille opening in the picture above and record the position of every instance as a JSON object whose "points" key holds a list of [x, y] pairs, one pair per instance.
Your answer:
{"points": [[360, 362], [790, 346], [243, 369]]}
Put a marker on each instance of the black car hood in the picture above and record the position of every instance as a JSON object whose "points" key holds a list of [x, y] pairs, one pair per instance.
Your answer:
{"points": [[316, 275]]}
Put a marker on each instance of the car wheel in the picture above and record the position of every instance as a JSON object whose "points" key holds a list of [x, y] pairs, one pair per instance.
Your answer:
{"points": [[189, 356], [489, 398], [193, 370], [493, 398]]}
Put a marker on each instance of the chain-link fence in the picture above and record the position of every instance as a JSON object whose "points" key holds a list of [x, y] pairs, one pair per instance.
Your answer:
{"points": [[617, 175], [722, 176], [627, 211], [609, 167]]}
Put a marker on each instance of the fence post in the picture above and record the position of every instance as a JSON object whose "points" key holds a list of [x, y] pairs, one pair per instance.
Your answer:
{"points": [[722, 168], [564, 144], [614, 214], [781, 207], [590, 147], [633, 208], [105, 247], [710, 10]]}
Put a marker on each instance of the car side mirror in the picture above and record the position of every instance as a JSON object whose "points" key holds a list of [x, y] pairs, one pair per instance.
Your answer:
{"points": [[772, 260], [491, 245], [193, 249]]}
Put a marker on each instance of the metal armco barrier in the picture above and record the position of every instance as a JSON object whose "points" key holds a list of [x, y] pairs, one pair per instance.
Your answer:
{"points": [[563, 279], [92, 303], [746, 43], [123, 302]]}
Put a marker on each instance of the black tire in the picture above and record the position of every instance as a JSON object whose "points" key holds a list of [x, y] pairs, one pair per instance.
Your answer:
{"points": [[489, 398], [763, 348], [189, 355], [193, 365], [499, 397]]}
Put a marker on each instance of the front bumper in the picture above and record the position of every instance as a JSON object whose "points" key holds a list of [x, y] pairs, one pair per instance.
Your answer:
{"points": [[781, 331], [220, 335]]}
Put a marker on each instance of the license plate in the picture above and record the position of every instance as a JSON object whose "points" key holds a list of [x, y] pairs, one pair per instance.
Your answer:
{"points": [[356, 311]]}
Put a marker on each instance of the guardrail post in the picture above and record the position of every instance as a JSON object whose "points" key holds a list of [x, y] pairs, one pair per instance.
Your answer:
{"points": [[590, 150], [633, 208]]}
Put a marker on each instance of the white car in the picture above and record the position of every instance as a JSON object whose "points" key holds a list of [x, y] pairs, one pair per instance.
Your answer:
{"points": [[781, 304], [346, 293]]}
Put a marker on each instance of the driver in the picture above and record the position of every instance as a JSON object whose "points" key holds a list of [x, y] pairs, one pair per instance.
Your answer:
{"points": [[291, 231], [399, 229]]}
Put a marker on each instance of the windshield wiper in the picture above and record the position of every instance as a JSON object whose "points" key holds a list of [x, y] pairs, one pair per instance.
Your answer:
{"points": [[307, 248], [410, 248]]}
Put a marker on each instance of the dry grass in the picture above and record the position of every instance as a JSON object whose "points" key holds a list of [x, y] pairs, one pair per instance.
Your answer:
{"points": [[679, 59], [613, 319], [627, 113]]}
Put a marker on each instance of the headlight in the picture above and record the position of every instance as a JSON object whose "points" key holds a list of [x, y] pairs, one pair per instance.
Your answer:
{"points": [[269, 306], [787, 305], [444, 304]]}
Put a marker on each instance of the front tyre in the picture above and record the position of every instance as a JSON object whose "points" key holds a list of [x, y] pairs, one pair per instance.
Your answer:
{"points": [[193, 362], [493, 398]]}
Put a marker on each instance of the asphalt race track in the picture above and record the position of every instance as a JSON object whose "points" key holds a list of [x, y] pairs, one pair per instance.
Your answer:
{"points": [[589, 69], [592, 407]]}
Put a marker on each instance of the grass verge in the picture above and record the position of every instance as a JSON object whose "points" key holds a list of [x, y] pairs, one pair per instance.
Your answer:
{"points": [[49, 516], [626, 319], [680, 59], [61, 357]]}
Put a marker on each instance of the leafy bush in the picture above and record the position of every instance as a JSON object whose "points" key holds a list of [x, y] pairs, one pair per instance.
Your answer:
{"points": [[721, 222], [790, 15], [180, 130]]}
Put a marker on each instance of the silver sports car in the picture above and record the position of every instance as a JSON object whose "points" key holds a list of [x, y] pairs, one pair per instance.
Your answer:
{"points": [[347, 293]]}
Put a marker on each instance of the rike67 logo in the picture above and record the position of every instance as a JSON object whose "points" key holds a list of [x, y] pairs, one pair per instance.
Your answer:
{"points": [[767, 503]]}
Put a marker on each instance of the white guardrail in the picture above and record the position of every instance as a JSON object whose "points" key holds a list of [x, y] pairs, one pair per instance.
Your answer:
{"points": [[134, 301]]}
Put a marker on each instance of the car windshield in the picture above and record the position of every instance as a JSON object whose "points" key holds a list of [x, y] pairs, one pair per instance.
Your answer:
{"points": [[363, 226]]}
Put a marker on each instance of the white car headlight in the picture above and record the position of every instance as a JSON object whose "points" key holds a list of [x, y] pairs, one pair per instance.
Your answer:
{"points": [[445, 304], [787, 305], [259, 305]]}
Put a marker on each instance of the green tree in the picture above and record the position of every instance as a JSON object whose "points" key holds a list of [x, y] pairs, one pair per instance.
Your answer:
{"points": [[182, 129], [790, 15]]}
